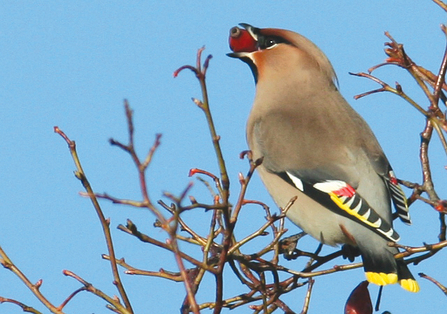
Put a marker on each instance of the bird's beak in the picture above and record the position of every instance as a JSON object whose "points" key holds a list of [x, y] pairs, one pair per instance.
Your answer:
{"points": [[253, 31]]}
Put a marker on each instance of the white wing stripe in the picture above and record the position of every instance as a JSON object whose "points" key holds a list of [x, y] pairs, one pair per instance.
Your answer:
{"points": [[297, 182], [349, 203], [358, 207], [330, 186], [366, 215]]}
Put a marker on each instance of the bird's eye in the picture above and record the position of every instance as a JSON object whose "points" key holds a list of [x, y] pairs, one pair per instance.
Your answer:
{"points": [[270, 42]]}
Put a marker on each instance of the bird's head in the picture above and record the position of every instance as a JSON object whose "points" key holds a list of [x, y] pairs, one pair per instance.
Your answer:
{"points": [[272, 51]]}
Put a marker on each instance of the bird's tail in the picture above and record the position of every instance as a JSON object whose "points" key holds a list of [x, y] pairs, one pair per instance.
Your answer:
{"points": [[383, 269], [406, 279]]}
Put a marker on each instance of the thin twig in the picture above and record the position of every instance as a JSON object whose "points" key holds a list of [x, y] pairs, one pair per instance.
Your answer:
{"points": [[105, 223], [131, 228], [25, 308], [440, 286], [90, 288], [35, 288], [141, 166], [441, 4], [307, 298]]}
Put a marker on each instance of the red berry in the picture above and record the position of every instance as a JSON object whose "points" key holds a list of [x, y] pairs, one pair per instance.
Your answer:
{"points": [[241, 41]]}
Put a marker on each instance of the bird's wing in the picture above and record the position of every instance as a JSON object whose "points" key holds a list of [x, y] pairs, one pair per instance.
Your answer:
{"points": [[383, 168], [341, 198]]}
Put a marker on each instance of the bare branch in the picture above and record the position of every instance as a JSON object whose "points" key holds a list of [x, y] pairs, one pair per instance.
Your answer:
{"points": [[117, 306], [104, 222], [442, 287]]}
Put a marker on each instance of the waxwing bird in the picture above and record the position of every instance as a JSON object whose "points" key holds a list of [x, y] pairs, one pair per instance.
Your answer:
{"points": [[316, 147]]}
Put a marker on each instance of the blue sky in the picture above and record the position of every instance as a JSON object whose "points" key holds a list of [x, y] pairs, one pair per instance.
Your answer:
{"points": [[72, 64]]}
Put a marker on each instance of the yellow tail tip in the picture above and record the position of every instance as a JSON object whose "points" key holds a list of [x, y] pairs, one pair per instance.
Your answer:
{"points": [[381, 279], [409, 285]]}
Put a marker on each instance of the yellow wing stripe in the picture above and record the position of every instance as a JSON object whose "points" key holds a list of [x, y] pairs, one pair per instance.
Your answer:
{"points": [[352, 212]]}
